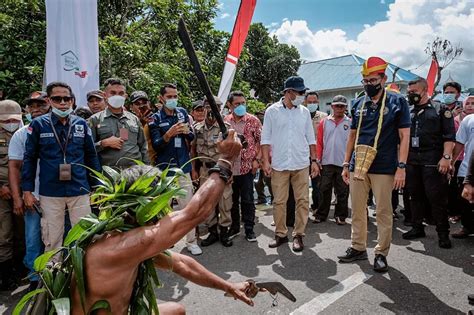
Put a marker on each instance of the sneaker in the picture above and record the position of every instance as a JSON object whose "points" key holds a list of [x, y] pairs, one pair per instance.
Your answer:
{"points": [[250, 237], [194, 249], [233, 232], [352, 255]]}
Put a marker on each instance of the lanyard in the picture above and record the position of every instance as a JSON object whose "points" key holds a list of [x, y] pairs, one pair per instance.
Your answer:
{"points": [[379, 125], [63, 149]]}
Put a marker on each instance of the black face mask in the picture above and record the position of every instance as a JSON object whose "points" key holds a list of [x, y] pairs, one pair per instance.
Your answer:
{"points": [[414, 99], [372, 90]]}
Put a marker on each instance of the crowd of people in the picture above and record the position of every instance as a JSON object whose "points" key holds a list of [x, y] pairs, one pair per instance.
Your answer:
{"points": [[384, 145]]}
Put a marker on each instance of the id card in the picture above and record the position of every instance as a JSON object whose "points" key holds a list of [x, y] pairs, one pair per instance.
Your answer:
{"points": [[415, 142], [65, 172], [177, 142], [124, 134]]}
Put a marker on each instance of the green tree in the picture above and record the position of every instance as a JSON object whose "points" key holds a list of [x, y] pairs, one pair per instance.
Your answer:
{"points": [[269, 63]]}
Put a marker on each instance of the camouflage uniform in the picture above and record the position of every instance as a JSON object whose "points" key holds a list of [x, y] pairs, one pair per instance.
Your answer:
{"points": [[206, 150]]}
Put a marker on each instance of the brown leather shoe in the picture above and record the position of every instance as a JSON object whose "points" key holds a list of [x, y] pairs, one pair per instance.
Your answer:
{"points": [[298, 243], [278, 241], [461, 233]]}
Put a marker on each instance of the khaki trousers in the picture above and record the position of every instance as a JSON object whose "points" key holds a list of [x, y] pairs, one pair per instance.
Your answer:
{"points": [[280, 186], [52, 222], [381, 185], [186, 184], [6, 230], [222, 216]]}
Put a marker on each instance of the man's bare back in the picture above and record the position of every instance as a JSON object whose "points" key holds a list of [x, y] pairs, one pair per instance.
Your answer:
{"points": [[111, 262]]}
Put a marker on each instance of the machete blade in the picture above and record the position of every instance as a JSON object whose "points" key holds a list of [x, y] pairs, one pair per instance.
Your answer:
{"points": [[276, 287]]}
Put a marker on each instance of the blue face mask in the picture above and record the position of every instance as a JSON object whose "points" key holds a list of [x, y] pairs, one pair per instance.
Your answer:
{"points": [[172, 103], [60, 113], [449, 98], [28, 117], [240, 110], [312, 107]]}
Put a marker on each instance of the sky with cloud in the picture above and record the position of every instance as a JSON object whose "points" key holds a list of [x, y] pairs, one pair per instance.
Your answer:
{"points": [[396, 30]]}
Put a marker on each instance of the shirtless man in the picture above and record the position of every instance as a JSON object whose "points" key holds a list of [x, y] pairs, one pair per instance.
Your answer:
{"points": [[112, 261]]}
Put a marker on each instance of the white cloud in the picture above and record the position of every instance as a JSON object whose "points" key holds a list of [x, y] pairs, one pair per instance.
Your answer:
{"points": [[224, 16], [400, 39]]}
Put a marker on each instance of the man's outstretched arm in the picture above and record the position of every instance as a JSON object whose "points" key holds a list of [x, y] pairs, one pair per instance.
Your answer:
{"points": [[140, 244], [193, 271]]}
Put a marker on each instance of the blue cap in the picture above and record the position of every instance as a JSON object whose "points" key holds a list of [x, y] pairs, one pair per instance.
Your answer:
{"points": [[294, 83]]}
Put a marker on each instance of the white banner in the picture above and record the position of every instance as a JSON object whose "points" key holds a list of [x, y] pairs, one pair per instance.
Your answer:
{"points": [[72, 45]]}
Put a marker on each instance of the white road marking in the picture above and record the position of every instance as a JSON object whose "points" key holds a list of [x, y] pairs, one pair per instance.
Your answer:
{"points": [[325, 299]]}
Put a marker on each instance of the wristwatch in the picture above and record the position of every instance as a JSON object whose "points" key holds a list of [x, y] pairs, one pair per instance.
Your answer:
{"points": [[224, 173], [447, 157], [345, 164], [402, 165], [315, 161]]}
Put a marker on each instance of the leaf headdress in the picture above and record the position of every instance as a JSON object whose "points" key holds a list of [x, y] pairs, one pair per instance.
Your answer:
{"points": [[126, 199]]}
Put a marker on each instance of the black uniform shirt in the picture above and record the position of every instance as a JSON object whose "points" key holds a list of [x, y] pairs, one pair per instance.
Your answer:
{"points": [[429, 130]]}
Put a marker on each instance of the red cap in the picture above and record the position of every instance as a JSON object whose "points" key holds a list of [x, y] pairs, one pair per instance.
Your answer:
{"points": [[374, 65]]}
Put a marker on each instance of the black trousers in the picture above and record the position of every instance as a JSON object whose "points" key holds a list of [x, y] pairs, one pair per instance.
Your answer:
{"points": [[242, 200], [427, 181], [315, 192], [331, 178], [454, 197], [260, 186], [466, 208], [290, 208]]}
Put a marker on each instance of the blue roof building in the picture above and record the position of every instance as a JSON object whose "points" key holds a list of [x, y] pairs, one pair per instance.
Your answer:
{"points": [[341, 75]]}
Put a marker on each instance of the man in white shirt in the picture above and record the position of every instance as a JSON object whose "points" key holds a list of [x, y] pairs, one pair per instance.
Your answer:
{"points": [[288, 133]]}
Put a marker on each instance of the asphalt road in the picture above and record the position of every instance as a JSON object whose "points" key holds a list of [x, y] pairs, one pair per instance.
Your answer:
{"points": [[423, 279]]}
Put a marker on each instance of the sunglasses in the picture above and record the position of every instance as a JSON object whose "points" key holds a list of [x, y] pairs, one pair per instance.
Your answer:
{"points": [[60, 99], [339, 106]]}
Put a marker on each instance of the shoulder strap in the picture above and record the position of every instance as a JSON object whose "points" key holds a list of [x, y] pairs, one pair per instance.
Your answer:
{"points": [[379, 125]]}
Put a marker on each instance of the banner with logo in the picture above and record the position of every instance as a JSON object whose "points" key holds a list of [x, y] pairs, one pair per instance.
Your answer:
{"points": [[72, 45], [239, 34]]}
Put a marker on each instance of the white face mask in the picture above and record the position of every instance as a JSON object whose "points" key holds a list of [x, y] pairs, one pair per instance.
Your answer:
{"points": [[116, 101], [298, 100], [10, 127]]}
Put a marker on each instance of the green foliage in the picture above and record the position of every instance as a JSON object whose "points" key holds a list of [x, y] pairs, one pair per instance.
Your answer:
{"points": [[138, 42], [269, 64], [254, 106], [121, 208]]}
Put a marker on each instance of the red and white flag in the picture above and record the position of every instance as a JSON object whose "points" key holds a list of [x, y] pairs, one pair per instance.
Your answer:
{"points": [[239, 34], [431, 78]]}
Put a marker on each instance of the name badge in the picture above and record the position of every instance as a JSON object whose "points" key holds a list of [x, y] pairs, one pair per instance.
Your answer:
{"points": [[65, 172], [177, 142], [164, 124], [415, 142]]}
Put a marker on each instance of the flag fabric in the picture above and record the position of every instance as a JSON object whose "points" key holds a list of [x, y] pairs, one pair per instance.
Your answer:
{"points": [[431, 78], [72, 45], [239, 34]]}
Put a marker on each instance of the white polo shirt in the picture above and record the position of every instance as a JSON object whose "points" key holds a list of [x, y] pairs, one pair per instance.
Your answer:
{"points": [[289, 132], [465, 136], [16, 151]]}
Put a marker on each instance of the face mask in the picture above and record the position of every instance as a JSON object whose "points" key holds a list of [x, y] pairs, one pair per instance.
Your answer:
{"points": [[10, 127], [298, 100], [28, 117], [172, 103], [449, 98], [414, 99], [372, 90], [60, 113], [313, 107], [240, 110], [116, 101]]}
